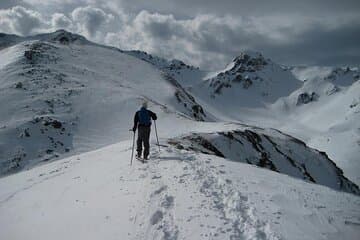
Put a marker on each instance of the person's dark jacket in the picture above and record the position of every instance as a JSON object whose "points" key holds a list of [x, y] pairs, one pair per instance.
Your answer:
{"points": [[136, 119]]}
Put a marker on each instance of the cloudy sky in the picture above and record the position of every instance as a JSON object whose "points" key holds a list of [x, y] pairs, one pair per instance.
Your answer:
{"points": [[205, 33]]}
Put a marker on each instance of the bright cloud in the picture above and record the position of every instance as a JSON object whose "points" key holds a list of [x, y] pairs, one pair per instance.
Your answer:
{"points": [[90, 19], [20, 20]]}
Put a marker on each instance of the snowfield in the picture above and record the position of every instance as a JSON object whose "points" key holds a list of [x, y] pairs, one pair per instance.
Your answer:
{"points": [[176, 195], [253, 151]]}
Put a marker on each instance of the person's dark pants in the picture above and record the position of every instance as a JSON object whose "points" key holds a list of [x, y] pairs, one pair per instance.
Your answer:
{"points": [[143, 138]]}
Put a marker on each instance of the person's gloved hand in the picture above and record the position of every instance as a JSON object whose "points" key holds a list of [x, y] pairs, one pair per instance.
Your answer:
{"points": [[134, 129]]}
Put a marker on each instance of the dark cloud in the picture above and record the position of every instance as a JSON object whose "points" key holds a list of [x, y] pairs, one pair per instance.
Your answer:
{"points": [[4, 4], [207, 33], [320, 45], [244, 7], [285, 39]]}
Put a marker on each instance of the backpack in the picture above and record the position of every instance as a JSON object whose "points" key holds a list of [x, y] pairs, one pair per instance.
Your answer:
{"points": [[144, 117]]}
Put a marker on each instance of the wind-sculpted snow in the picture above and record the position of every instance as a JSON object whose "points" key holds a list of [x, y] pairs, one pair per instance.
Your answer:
{"points": [[273, 150]]}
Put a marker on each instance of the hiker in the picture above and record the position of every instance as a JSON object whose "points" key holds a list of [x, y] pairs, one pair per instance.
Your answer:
{"points": [[142, 122]]}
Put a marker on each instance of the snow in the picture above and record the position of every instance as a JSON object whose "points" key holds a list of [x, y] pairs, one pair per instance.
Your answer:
{"points": [[74, 101], [329, 124], [311, 72], [9, 55], [176, 195], [214, 74]]}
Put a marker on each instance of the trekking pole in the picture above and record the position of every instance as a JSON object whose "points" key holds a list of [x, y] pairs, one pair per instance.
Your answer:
{"points": [[157, 139], [132, 152]]}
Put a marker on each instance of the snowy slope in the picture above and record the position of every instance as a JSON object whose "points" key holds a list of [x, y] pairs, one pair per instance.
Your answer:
{"points": [[177, 195], [269, 149], [70, 96], [186, 75], [329, 121]]}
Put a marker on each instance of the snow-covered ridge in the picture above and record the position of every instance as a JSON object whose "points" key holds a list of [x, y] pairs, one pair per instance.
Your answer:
{"points": [[272, 150], [61, 93], [62, 36], [177, 195], [185, 74], [59, 36], [308, 73], [161, 63]]}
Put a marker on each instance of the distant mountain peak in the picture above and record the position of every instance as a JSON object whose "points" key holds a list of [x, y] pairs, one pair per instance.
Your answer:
{"points": [[249, 54], [59, 36], [250, 59], [62, 36]]}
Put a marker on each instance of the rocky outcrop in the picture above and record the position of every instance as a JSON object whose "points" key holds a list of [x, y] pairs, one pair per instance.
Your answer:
{"points": [[305, 98], [186, 100], [272, 150]]}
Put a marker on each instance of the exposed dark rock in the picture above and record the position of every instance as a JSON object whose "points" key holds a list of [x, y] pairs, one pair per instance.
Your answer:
{"points": [[64, 40], [49, 151], [26, 132], [238, 78], [19, 85], [186, 100], [247, 83], [28, 55], [52, 122], [265, 162], [249, 63], [305, 98]]}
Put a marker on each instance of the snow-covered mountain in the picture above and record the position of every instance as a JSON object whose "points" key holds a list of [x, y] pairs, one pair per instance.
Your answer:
{"points": [[252, 71], [61, 93], [64, 97], [249, 81], [318, 105]]}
